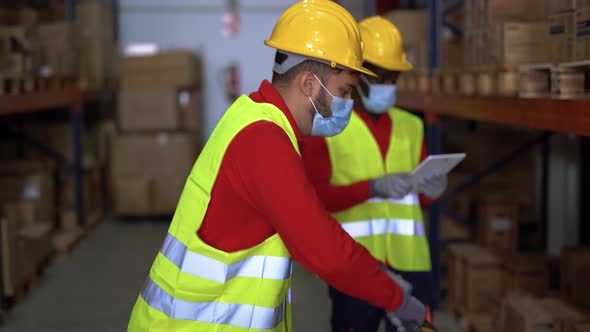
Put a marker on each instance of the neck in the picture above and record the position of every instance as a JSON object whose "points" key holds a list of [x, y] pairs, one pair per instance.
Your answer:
{"points": [[298, 107]]}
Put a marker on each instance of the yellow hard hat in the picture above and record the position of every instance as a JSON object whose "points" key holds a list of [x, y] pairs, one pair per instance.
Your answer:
{"points": [[383, 44], [320, 29]]}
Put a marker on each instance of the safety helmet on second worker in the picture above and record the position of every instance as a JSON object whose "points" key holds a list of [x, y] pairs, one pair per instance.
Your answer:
{"points": [[319, 30], [383, 44]]}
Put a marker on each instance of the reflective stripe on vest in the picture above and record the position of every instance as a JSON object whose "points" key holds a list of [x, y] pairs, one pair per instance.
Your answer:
{"points": [[383, 226], [242, 315], [266, 267], [410, 199]]}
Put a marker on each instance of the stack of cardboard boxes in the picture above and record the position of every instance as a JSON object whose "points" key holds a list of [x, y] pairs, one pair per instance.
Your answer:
{"points": [[512, 292], [39, 45], [569, 23], [519, 32], [27, 214], [159, 117], [505, 32]]}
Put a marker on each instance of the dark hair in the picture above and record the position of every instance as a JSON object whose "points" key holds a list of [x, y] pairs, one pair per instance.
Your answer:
{"points": [[321, 70]]}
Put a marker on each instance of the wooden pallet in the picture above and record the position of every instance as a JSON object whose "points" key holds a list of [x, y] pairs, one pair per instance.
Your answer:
{"points": [[31, 281], [414, 81], [535, 80], [446, 80], [569, 80], [24, 85]]}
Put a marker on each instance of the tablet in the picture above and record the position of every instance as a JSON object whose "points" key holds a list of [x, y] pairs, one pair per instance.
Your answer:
{"points": [[438, 164]]}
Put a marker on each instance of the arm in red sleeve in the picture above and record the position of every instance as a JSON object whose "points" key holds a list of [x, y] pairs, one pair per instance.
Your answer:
{"points": [[274, 177], [318, 166]]}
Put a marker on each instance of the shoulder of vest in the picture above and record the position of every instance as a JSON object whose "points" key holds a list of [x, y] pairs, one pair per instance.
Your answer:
{"points": [[406, 116]]}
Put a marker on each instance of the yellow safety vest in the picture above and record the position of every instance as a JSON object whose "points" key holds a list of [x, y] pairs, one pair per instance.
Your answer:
{"points": [[195, 287], [391, 229]]}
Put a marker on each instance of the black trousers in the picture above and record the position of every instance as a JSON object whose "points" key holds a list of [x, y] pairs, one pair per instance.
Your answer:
{"points": [[350, 314]]}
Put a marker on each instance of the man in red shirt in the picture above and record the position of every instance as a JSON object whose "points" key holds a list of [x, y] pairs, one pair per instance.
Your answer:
{"points": [[248, 207], [362, 177]]}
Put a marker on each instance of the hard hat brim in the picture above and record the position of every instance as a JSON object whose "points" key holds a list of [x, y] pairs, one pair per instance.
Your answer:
{"points": [[360, 69], [404, 65]]}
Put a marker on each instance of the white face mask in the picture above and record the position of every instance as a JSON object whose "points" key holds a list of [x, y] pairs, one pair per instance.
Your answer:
{"points": [[381, 96]]}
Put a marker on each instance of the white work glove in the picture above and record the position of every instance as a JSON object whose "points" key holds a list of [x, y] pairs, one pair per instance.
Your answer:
{"points": [[391, 186], [433, 187], [411, 310]]}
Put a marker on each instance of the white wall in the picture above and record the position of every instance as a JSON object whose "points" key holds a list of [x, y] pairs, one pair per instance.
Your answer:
{"points": [[196, 24]]}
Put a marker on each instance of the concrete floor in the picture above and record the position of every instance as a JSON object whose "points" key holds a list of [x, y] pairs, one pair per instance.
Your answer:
{"points": [[94, 289]]}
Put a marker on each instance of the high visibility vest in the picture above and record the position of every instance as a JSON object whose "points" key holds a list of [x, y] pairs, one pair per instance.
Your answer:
{"points": [[195, 287], [391, 229]]}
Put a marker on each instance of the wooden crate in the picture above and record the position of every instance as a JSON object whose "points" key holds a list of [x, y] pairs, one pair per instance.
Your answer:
{"points": [[525, 272], [498, 224], [575, 268]]}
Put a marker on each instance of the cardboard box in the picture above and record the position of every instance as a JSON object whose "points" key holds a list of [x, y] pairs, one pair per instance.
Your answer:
{"points": [[456, 252], [482, 281], [57, 53], [18, 260], [558, 6], [155, 165], [575, 268], [37, 240], [131, 196], [412, 24], [582, 41], [94, 19], [481, 14], [452, 53], [32, 182], [519, 43], [525, 272], [97, 65], [524, 312], [498, 225], [561, 36], [180, 69], [159, 108]]}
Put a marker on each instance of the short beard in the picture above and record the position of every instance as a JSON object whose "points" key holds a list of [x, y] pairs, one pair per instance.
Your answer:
{"points": [[321, 104]]}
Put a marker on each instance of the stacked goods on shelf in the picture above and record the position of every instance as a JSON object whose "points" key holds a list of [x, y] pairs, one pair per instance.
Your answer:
{"points": [[502, 208], [96, 43], [159, 115], [58, 137], [413, 25], [16, 55], [499, 292], [41, 50], [27, 215]]}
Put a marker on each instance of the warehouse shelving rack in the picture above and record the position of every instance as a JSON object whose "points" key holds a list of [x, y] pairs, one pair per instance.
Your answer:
{"points": [[545, 115], [72, 99]]}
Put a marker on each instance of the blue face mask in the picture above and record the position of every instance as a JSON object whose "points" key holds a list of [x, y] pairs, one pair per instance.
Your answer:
{"points": [[335, 123], [381, 96]]}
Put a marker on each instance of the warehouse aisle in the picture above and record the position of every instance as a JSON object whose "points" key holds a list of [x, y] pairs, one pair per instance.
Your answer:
{"points": [[94, 289]]}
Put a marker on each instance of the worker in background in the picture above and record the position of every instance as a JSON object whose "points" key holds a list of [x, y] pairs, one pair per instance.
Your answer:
{"points": [[362, 177], [248, 209]]}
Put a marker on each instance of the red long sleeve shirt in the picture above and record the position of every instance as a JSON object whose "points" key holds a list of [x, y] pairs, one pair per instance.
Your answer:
{"points": [[262, 189], [319, 167]]}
